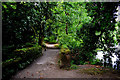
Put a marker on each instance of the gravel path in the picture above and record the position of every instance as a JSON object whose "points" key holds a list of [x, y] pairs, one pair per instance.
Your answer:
{"points": [[46, 67]]}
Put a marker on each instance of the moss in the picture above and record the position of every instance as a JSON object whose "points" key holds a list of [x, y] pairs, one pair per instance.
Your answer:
{"points": [[57, 45], [28, 51], [64, 58], [11, 61], [65, 50], [73, 66], [22, 58]]}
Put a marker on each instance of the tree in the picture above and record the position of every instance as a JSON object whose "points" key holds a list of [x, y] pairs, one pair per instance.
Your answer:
{"points": [[104, 26], [23, 23], [70, 18]]}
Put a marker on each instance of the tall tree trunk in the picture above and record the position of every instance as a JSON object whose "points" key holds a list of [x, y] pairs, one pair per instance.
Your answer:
{"points": [[66, 29], [66, 22]]}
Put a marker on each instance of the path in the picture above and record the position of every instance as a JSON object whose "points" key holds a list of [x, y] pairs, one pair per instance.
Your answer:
{"points": [[51, 45], [46, 67]]}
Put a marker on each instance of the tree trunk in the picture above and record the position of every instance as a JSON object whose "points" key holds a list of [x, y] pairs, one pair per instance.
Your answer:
{"points": [[66, 22], [66, 29]]}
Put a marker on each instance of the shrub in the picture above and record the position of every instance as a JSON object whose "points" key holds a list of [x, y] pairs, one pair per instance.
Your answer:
{"points": [[28, 52], [22, 58], [28, 44], [96, 62], [73, 66], [50, 39]]}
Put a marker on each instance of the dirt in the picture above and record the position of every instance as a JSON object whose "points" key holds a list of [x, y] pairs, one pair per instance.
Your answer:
{"points": [[47, 67]]}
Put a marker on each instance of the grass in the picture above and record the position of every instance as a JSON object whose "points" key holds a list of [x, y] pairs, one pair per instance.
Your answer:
{"points": [[73, 66]]}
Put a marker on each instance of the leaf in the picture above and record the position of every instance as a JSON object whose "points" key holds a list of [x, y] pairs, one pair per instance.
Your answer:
{"points": [[97, 33], [13, 6], [4, 6]]}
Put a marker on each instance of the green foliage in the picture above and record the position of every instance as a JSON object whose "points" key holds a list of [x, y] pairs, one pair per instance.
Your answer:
{"points": [[24, 24], [65, 50], [46, 39], [50, 39], [70, 19], [118, 31], [16, 23], [73, 66], [28, 44], [11, 61], [28, 52], [79, 28], [83, 29], [103, 32], [22, 58], [96, 62]]}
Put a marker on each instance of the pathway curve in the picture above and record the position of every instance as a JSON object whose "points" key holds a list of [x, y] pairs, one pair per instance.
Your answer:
{"points": [[51, 45], [46, 67]]}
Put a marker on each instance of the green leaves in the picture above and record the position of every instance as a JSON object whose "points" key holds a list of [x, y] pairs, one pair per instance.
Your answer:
{"points": [[97, 33], [5, 6], [82, 26], [70, 18], [104, 25], [13, 6]]}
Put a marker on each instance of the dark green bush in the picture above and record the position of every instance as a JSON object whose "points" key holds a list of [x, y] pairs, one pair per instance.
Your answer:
{"points": [[28, 52], [28, 44], [96, 62], [22, 58], [50, 39]]}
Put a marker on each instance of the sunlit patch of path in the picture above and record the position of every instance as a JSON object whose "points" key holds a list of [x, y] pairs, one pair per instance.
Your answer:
{"points": [[50, 45]]}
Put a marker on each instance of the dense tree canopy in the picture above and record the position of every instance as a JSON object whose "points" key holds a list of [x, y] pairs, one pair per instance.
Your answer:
{"points": [[104, 22], [81, 27]]}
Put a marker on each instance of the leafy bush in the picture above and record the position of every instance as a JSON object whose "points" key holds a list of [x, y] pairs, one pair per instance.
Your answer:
{"points": [[46, 39], [79, 50], [25, 52], [22, 58], [73, 66], [50, 39], [96, 62], [28, 44]]}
